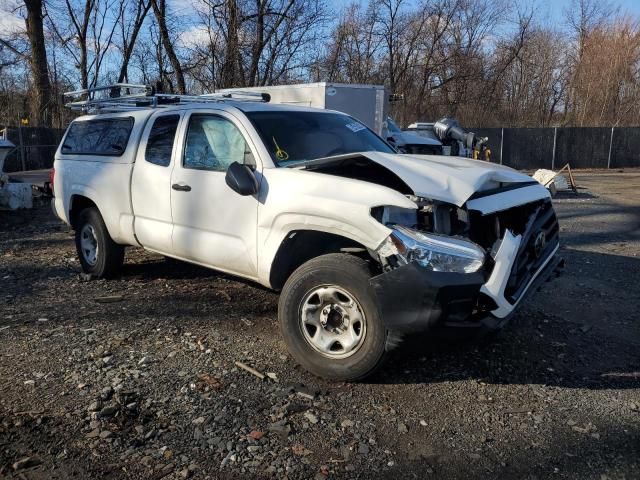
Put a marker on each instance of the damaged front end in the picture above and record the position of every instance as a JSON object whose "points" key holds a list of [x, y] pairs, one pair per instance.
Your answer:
{"points": [[446, 265]]}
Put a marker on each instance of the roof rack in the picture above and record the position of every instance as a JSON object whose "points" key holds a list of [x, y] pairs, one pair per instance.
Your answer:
{"points": [[122, 97]]}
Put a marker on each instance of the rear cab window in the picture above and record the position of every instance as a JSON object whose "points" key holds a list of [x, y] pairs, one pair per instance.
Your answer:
{"points": [[161, 139], [104, 136]]}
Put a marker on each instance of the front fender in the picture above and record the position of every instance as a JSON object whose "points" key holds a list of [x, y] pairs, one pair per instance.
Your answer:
{"points": [[293, 200], [271, 237]]}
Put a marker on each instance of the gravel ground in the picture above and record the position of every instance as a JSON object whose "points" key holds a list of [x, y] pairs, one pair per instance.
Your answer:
{"points": [[137, 377]]}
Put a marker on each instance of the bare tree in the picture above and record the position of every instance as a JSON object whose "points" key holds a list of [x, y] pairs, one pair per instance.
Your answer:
{"points": [[480, 60], [582, 18], [129, 31], [605, 83], [86, 30], [81, 26], [160, 11], [254, 42], [38, 61]]}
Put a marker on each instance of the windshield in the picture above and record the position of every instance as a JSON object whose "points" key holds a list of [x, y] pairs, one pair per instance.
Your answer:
{"points": [[292, 137]]}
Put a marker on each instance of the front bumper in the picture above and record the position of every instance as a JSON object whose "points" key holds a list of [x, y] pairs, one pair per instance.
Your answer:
{"points": [[414, 299]]}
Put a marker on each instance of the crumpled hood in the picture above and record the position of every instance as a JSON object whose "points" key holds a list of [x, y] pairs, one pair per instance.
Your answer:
{"points": [[444, 178]]}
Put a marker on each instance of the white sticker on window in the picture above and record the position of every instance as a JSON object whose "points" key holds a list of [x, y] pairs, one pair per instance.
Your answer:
{"points": [[355, 126]]}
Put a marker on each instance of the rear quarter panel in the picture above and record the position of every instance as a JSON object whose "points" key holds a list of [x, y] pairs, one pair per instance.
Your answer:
{"points": [[105, 180], [105, 184]]}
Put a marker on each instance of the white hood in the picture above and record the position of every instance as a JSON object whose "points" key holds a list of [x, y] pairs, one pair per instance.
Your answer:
{"points": [[448, 179]]}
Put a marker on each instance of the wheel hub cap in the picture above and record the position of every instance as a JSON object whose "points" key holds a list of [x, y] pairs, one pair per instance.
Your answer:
{"points": [[332, 321]]}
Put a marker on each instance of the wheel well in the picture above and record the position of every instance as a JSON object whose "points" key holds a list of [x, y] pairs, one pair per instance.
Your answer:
{"points": [[301, 246], [78, 203]]}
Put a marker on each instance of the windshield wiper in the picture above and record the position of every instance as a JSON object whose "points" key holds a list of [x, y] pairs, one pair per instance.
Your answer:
{"points": [[292, 163], [323, 160]]}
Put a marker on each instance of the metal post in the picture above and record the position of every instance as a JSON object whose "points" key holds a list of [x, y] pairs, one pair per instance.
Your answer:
{"points": [[22, 162], [610, 147], [501, 143], [553, 155]]}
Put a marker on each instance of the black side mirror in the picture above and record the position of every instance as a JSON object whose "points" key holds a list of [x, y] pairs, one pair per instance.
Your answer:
{"points": [[241, 180]]}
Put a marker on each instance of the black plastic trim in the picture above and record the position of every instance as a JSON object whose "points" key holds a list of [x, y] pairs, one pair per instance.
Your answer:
{"points": [[412, 298], [506, 188]]}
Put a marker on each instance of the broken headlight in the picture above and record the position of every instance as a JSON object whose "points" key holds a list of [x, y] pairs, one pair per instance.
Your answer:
{"points": [[435, 252]]}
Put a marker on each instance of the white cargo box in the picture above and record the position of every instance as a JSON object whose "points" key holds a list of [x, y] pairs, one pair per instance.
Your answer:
{"points": [[367, 103]]}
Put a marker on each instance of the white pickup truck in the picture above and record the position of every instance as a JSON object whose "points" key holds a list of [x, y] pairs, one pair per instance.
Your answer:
{"points": [[364, 244]]}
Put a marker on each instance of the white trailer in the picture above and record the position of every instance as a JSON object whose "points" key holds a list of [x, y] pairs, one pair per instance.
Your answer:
{"points": [[367, 103]]}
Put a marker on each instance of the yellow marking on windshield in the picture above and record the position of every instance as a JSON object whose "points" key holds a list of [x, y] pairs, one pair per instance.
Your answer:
{"points": [[280, 154]]}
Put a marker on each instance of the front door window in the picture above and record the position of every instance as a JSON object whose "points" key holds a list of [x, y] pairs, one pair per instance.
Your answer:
{"points": [[213, 143]]}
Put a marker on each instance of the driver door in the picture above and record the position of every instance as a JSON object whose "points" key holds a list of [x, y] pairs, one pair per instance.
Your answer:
{"points": [[212, 224]]}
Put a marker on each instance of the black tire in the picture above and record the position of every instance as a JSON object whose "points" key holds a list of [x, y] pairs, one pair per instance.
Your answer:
{"points": [[109, 255], [351, 274]]}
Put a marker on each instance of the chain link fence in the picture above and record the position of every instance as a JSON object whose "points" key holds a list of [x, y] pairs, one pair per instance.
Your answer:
{"points": [[552, 148], [35, 147]]}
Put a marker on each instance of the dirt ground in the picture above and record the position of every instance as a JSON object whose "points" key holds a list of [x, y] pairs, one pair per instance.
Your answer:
{"points": [[136, 377]]}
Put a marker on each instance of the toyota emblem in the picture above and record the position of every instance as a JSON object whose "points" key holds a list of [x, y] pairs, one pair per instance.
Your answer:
{"points": [[539, 244]]}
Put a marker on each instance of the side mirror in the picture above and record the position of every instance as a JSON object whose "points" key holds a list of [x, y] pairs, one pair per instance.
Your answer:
{"points": [[241, 180]]}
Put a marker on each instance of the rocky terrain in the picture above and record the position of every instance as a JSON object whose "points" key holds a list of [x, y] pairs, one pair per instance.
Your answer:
{"points": [[172, 371]]}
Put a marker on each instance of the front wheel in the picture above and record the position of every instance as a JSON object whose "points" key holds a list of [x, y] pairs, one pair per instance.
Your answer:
{"points": [[99, 255], [330, 319]]}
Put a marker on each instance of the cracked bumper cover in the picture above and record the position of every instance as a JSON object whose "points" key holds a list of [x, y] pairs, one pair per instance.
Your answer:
{"points": [[413, 298]]}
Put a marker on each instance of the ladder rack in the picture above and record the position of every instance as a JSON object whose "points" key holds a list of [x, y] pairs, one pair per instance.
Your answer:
{"points": [[123, 97]]}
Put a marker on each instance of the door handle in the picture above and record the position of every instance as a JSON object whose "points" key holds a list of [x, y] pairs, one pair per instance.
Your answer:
{"points": [[181, 188]]}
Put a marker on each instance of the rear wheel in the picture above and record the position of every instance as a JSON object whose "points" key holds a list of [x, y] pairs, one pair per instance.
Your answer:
{"points": [[330, 319], [99, 255]]}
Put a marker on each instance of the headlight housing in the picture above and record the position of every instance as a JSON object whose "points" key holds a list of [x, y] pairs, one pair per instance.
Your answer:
{"points": [[435, 252]]}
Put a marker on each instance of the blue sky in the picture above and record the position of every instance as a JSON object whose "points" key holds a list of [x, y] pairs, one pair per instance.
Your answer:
{"points": [[556, 7], [553, 9]]}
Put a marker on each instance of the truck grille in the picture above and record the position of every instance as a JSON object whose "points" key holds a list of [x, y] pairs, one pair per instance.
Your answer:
{"points": [[538, 225], [539, 240]]}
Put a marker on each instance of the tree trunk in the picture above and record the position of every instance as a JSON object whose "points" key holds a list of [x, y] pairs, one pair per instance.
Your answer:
{"points": [[231, 64], [40, 102], [84, 71], [129, 44], [160, 11], [258, 43], [82, 39]]}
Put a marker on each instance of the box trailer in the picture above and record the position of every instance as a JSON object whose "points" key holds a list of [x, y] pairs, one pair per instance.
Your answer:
{"points": [[367, 103]]}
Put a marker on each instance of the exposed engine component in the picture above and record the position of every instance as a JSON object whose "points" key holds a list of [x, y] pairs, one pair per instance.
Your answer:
{"points": [[430, 216], [450, 133]]}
